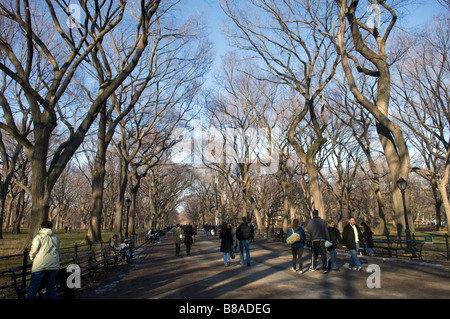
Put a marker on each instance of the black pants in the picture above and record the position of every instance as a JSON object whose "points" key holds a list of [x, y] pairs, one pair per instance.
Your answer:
{"points": [[188, 250], [318, 246], [177, 249]]}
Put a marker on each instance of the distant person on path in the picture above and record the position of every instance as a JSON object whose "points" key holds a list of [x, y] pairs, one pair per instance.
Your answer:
{"points": [[226, 244], [44, 253], [188, 240], [177, 238], [122, 248], [368, 239], [318, 231], [351, 237], [297, 248], [335, 239], [243, 234]]}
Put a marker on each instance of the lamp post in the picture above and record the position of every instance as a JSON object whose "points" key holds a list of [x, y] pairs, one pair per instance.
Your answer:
{"points": [[401, 184], [127, 204]]}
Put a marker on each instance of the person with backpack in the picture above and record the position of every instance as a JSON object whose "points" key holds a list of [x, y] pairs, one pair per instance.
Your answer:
{"points": [[243, 234]]}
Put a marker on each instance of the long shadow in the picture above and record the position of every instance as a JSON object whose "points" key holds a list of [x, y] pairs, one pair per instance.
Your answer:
{"points": [[216, 284]]}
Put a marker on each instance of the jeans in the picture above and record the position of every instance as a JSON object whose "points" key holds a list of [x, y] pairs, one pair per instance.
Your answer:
{"points": [[50, 283], [226, 258], [333, 255], [369, 250], [354, 260], [244, 244]]}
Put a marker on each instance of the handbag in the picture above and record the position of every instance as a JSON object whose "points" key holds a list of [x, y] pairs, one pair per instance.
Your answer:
{"points": [[294, 238], [232, 255], [328, 244]]}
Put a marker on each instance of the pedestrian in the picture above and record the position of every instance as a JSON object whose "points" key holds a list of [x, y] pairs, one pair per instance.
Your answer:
{"points": [[297, 248], [123, 248], [188, 240], [177, 238], [335, 239], [368, 239], [351, 238], [318, 231], [44, 253], [243, 234], [226, 244]]}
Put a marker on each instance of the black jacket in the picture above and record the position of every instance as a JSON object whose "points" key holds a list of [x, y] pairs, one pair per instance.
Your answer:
{"points": [[348, 237], [335, 236]]}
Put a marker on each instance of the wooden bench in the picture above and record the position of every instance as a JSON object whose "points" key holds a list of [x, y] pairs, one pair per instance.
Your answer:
{"points": [[387, 246], [19, 276], [89, 261], [414, 247]]}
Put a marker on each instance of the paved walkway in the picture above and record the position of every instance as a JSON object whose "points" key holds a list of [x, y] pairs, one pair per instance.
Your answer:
{"points": [[156, 273]]}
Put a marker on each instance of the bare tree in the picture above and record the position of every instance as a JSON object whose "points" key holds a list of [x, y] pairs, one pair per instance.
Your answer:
{"points": [[369, 45], [422, 101], [293, 41], [45, 69]]}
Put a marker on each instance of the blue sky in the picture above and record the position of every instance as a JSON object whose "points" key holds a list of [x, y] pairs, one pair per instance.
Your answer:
{"points": [[417, 15]]}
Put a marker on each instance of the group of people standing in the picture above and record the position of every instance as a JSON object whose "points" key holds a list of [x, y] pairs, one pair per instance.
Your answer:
{"points": [[325, 237]]}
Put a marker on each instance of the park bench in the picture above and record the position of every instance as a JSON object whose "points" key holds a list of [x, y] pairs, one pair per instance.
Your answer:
{"points": [[90, 260], [387, 246], [19, 276], [416, 247]]}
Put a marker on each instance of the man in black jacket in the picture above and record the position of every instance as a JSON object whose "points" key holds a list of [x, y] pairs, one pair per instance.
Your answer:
{"points": [[351, 237], [243, 234]]}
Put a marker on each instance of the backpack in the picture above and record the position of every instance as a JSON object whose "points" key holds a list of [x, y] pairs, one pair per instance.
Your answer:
{"points": [[245, 231]]}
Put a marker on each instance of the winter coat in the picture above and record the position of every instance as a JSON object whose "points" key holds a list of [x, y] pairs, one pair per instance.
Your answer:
{"points": [[368, 237], [226, 245], [335, 237], [188, 233], [348, 237], [177, 235], [318, 229], [302, 234], [44, 251]]}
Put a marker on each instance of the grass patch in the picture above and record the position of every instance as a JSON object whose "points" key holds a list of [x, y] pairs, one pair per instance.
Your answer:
{"points": [[12, 244]]}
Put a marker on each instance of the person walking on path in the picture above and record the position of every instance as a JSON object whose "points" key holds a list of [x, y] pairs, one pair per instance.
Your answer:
{"points": [[368, 239], [226, 244], [351, 238], [44, 253], [318, 231], [297, 248], [188, 240], [243, 233], [177, 238], [335, 239]]}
